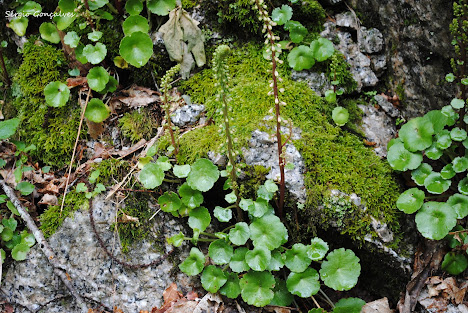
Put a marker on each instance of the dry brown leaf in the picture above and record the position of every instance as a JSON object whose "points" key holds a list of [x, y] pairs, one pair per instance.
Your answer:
{"points": [[191, 295], [135, 97], [117, 310], [52, 187], [171, 294], [377, 306], [76, 81], [49, 200], [183, 306], [100, 151]]}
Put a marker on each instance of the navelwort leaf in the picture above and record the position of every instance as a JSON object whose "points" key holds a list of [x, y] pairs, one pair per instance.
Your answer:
{"points": [[317, 249], [459, 204], [276, 262], [49, 32], [322, 49], [417, 134], [454, 263], [304, 284], [222, 214], [435, 219], [190, 197], [97, 111], [133, 7], [220, 252], [97, 78], [56, 94], [401, 159], [161, 7], [341, 269], [213, 278], [151, 176], [239, 234], [256, 288], [258, 258], [135, 23], [268, 231], [349, 305], [169, 202], [340, 116], [95, 54], [199, 218], [301, 58], [296, 259], [72, 39], [281, 15], [181, 171], [419, 175], [231, 288], [238, 264], [203, 175], [25, 188], [194, 263], [282, 295], [411, 200], [136, 48], [8, 127]]}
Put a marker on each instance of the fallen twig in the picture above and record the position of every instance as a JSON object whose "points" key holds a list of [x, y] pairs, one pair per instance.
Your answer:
{"points": [[59, 269], [74, 150]]}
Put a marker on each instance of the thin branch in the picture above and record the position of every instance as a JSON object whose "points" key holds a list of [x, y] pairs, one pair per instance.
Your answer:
{"points": [[59, 269], [74, 150]]}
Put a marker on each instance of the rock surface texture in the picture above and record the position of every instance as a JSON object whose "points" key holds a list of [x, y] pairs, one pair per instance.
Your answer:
{"points": [[418, 50], [95, 276]]}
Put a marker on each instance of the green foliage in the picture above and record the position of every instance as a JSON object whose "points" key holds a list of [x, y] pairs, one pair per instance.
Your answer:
{"points": [[137, 125]]}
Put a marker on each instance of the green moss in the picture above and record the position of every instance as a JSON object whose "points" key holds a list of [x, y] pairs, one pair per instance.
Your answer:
{"points": [[52, 218], [137, 125], [335, 159], [42, 63], [111, 171], [52, 130], [136, 206], [310, 13], [338, 70], [188, 4]]}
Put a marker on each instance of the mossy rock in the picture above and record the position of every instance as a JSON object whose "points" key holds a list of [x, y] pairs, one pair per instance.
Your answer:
{"points": [[137, 125], [335, 158]]}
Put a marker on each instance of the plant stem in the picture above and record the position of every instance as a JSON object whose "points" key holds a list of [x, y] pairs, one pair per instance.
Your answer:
{"points": [[271, 39], [5, 73], [74, 150], [327, 298]]}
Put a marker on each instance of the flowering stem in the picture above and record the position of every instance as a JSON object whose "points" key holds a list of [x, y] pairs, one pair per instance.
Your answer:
{"points": [[268, 25]]}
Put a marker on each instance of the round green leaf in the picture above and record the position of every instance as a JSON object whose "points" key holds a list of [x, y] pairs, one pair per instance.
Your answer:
{"points": [[72, 39], [259, 208], [281, 15], [8, 127], [451, 115], [401, 159], [95, 35], [230, 197], [231, 288], [194, 263], [447, 172], [340, 116], [296, 259], [19, 25], [15, 240], [268, 231], [463, 186], [435, 184], [64, 21], [111, 85], [79, 54], [301, 58], [454, 263], [181, 171], [317, 249], [459, 203], [10, 223], [220, 252], [330, 97], [438, 120], [161, 7], [297, 31], [164, 163], [96, 4], [411, 200], [264, 194], [458, 134], [25, 188], [3, 255], [95, 54], [239, 234], [245, 204], [56, 94], [49, 32], [322, 49], [419, 175], [341, 269], [276, 262], [97, 111], [151, 176], [213, 278], [282, 295], [460, 164], [435, 219], [203, 175], [169, 202], [258, 259], [417, 134], [457, 103], [6, 234], [20, 252], [303, 284], [67, 5], [433, 152], [133, 7], [135, 23], [98, 78], [222, 214], [30, 8], [450, 77], [256, 288], [190, 197], [199, 218], [270, 186], [349, 305], [176, 240], [27, 238], [238, 263], [443, 139]]}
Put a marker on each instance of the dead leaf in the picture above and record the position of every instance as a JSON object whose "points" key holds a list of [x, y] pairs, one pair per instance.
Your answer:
{"points": [[49, 200], [191, 295], [117, 310], [210, 303], [76, 81], [134, 97], [377, 306], [171, 293], [100, 151], [52, 187]]}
